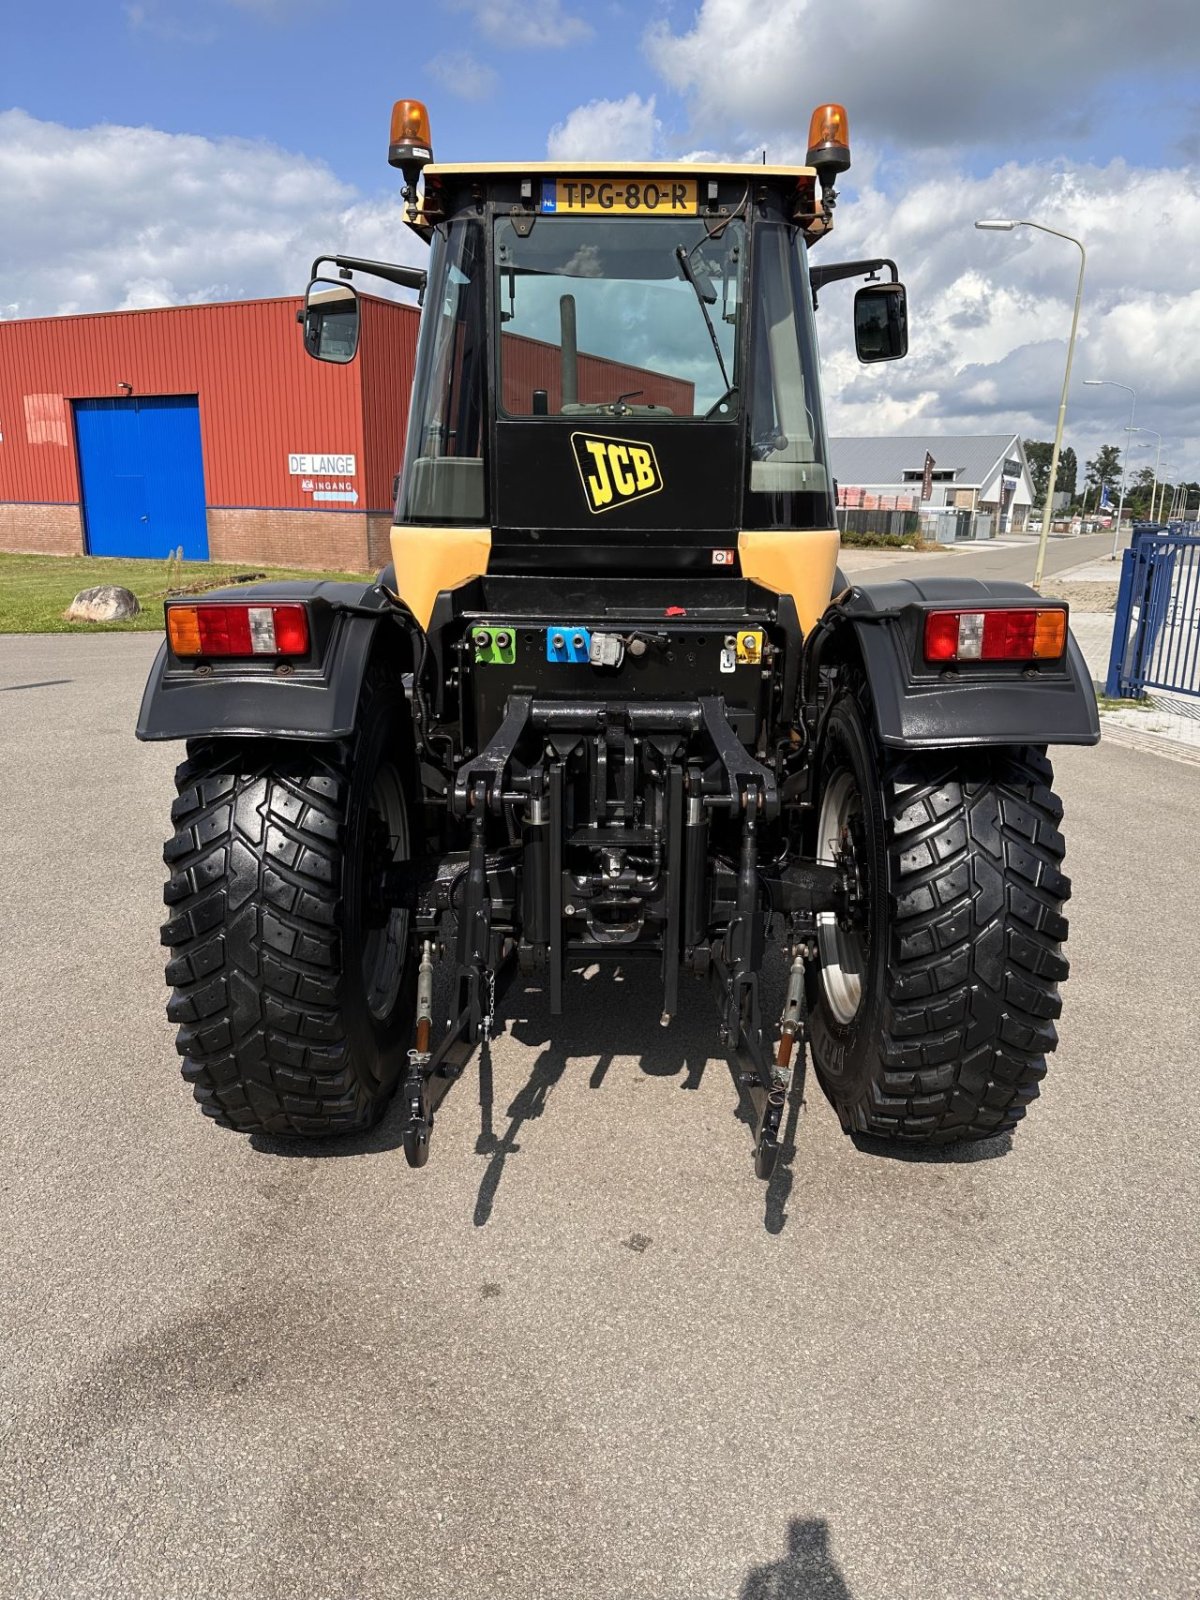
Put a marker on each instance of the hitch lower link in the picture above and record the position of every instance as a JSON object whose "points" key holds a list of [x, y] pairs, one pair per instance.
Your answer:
{"points": [[736, 963], [477, 958]]}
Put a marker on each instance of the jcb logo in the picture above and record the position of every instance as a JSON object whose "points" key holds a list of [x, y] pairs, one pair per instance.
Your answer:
{"points": [[615, 471]]}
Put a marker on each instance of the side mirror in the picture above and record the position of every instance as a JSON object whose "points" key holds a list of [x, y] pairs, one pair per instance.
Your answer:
{"points": [[881, 322], [330, 320]]}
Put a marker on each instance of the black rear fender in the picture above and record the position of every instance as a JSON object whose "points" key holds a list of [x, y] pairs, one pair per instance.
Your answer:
{"points": [[315, 697], [919, 705]]}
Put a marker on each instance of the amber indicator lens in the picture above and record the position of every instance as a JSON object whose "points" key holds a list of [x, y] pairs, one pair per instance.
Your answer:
{"points": [[1036, 634], [1050, 635], [238, 630]]}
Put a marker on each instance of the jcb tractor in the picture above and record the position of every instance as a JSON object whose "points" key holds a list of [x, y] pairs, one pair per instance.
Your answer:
{"points": [[612, 701]]}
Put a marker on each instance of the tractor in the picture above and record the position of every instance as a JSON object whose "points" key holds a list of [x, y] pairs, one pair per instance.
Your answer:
{"points": [[613, 701]]}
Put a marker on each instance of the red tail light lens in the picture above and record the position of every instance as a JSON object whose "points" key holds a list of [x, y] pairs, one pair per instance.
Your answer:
{"points": [[238, 630], [1007, 634], [291, 630], [941, 635]]}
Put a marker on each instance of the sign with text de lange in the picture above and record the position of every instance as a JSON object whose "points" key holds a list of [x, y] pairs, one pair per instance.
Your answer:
{"points": [[927, 479], [336, 470]]}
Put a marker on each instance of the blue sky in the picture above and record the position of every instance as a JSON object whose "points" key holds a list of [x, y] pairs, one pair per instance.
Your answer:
{"points": [[316, 76], [154, 151], [319, 76]]}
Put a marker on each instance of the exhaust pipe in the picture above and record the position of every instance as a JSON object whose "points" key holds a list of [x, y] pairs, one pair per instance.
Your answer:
{"points": [[570, 350]]}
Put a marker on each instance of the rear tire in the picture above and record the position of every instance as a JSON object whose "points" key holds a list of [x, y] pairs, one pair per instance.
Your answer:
{"points": [[294, 1005], [932, 1025]]}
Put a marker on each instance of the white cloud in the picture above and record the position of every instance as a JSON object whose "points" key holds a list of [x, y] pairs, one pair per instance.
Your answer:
{"points": [[990, 312], [918, 72], [112, 218], [925, 84], [463, 75], [526, 24], [606, 130]]}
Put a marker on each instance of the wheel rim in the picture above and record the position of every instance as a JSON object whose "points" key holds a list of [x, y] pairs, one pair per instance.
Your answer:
{"points": [[385, 948], [841, 948]]}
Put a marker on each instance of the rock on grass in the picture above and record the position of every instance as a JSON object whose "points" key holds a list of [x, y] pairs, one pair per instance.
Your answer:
{"points": [[107, 603]]}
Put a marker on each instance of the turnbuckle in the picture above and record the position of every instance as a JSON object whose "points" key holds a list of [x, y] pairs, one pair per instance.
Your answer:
{"points": [[792, 1026], [418, 1111]]}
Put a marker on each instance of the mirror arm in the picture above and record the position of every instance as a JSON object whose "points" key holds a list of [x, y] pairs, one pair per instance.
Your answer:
{"points": [[819, 276], [406, 277]]}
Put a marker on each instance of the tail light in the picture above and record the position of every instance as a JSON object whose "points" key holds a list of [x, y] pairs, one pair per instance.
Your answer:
{"points": [[1009, 634], [238, 630]]}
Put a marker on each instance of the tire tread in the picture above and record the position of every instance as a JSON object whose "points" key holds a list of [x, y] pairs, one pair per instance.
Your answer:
{"points": [[254, 901], [975, 961], [973, 957]]}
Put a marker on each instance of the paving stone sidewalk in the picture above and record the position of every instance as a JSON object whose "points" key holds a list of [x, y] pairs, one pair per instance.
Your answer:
{"points": [[1169, 723]]}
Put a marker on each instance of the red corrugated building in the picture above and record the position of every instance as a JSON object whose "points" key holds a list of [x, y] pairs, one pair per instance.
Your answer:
{"points": [[207, 428], [529, 364], [136, 432]]}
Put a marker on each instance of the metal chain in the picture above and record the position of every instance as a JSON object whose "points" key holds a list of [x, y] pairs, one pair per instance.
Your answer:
{"points": [[490, 1014]]}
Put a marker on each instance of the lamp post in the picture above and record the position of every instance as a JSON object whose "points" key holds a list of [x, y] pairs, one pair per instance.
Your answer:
{"points": [[1006, 225], [1164, 470], [1108, 383], [1157, 460]]}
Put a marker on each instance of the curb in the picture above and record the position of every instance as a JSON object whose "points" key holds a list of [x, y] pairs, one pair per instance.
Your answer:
{"points": [[1158, 744]]}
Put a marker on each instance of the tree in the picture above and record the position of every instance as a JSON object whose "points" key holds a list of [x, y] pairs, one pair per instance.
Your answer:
{"points": [[1138, 493], [1068, 472], [1179, 498], [1038, 453], [1105, 468]]}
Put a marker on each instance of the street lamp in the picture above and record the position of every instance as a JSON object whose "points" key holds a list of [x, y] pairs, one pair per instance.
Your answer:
{"points": [[1108, 383], [1157, 459], [1006, 225], [1164, 473]]}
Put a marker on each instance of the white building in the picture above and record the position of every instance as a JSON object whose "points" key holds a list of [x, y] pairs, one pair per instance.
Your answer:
{"points": [[984, 473]]}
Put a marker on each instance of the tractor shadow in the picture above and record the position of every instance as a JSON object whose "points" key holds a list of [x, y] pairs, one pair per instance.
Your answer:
{"points": [[611, 1016], [939, 1155], [621, 1009]]}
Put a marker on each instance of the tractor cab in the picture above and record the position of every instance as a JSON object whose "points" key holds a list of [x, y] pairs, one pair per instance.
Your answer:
{"points": [[617, 368]]}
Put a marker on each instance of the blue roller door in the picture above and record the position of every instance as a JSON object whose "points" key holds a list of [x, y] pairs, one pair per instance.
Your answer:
{"points": [[142, 476]]}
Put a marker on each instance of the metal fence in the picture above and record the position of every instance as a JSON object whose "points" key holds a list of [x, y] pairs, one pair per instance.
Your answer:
{"points": [[937, 524], [898, 524], [947, 524], [1156, 633]]}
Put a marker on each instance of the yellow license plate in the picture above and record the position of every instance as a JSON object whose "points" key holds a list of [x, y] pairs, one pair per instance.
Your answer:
{"points": [[621, 197]]}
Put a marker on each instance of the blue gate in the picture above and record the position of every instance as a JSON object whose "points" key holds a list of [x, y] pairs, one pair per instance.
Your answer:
{"points": [[141, 474], [1156, 635]]}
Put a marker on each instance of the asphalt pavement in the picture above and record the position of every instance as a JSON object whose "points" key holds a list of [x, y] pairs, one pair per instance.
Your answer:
{"points": [[1012, 559], [584, 1353]]}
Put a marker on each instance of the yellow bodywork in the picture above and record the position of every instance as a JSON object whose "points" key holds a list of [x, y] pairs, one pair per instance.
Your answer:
{"points": [[428, 560], [421, 216], [802, 564], [567, 169]]}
